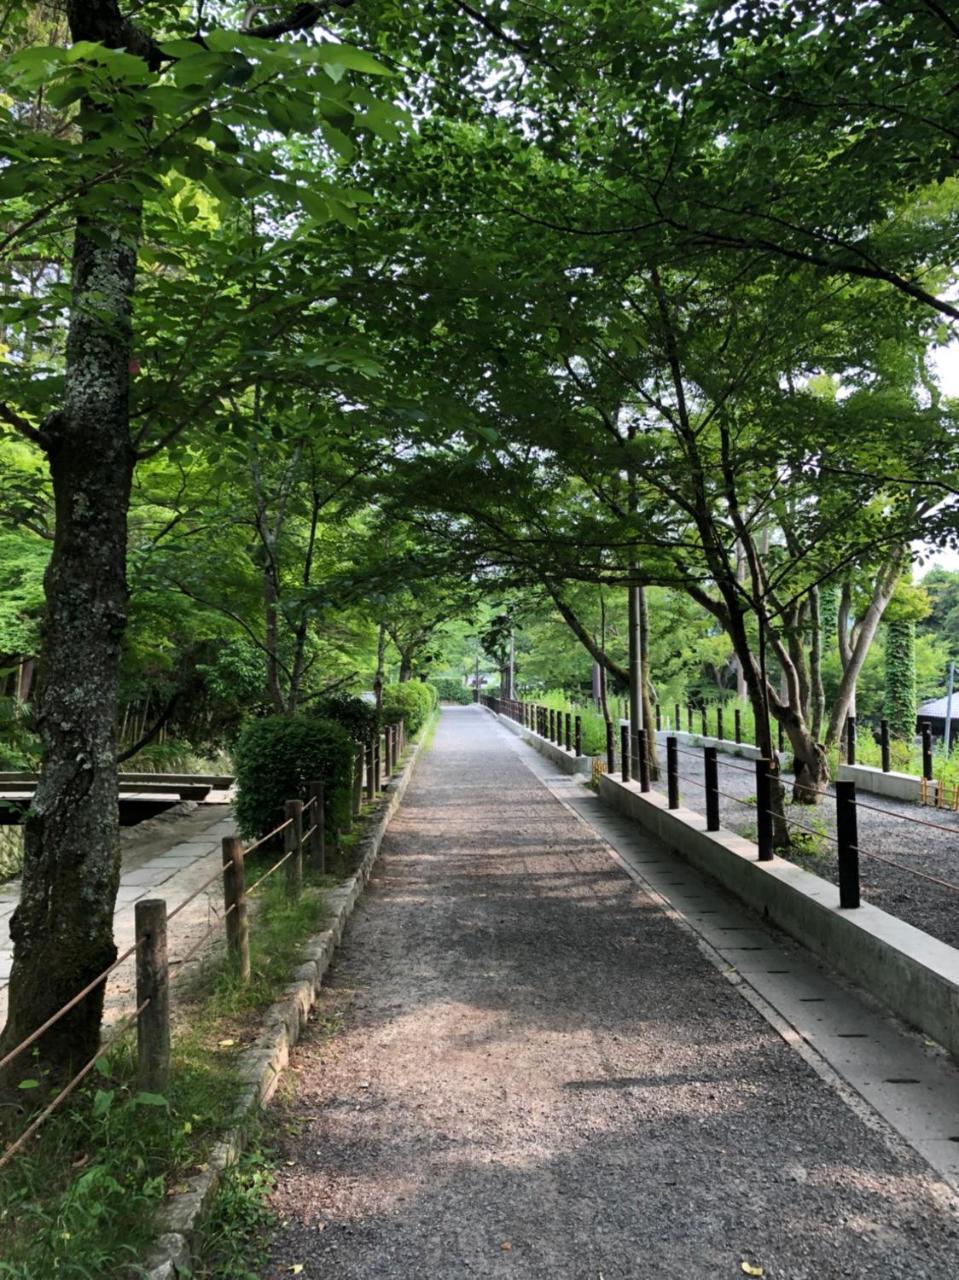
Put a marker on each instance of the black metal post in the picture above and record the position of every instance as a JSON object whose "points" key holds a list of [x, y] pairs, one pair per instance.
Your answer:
{"points": [[848, 838], [764, 817], [624, 751], [578, 735], [738, 724], [851, 739], [780, 738], [659, 718], [927, 750], [719, 723], [642, 757], [884, 745], [678, 722], [610, 748], [552, 725], [672, 773], [705, 722], [689, 717], [711, 769], [569, 732]]}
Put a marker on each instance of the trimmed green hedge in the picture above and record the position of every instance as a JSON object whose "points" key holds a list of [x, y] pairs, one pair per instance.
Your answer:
{"points": [[277, 758], [451, 689], [411, 701], [357, 716]]}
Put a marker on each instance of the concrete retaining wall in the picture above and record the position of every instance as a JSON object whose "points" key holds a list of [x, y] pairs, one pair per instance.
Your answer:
{"points": [[564, 759], [914, 975], [742, 749], [898, 786]]}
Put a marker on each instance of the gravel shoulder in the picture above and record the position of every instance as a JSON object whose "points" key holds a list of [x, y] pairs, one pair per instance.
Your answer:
{"points": [[523, 1068], [884, 828]]}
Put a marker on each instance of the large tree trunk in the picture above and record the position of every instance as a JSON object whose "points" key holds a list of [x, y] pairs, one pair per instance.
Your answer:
{"points": [[854, 654], [63, 927], [649, 714]]}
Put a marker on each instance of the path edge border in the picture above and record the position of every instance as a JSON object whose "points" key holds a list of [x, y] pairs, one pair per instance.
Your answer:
{"points": [[173, 1252]]}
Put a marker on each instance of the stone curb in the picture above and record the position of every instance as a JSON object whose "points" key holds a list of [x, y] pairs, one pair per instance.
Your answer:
{"points": [[563, 759], [260, 1067]]}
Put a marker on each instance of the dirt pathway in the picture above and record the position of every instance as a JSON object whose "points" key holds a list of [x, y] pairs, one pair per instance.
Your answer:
{"points": [[534, 1073]]}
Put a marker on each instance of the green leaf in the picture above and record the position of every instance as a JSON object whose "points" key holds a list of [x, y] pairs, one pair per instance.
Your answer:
{"points": [[29, 1084]]}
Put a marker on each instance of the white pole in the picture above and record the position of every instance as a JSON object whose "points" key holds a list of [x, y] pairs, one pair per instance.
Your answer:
{"points": [[952, 678]]}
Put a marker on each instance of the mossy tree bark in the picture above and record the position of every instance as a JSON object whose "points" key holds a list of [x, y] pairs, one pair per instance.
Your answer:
{"points": [[900, 678], [63, 927]]}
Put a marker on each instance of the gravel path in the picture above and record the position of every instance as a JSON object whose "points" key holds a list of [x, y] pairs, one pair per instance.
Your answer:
{"points": [[927, 906], [523, 1068]]}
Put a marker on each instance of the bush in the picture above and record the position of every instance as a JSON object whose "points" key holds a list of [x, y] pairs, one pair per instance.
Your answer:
{"points": [[357, 716], [450, 689], [411, 701], [277, 758]]}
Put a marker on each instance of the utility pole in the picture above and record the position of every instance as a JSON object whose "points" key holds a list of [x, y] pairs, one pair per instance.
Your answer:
{"points": [[952, 680]]}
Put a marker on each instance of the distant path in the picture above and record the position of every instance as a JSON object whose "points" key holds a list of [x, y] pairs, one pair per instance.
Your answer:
{"points": [[524, 1068], [167, 857]]}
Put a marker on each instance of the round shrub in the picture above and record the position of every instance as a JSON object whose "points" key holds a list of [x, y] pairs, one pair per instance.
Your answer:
{"points": [[277, 758], [451, 689], [357, 716], [411, 701]]}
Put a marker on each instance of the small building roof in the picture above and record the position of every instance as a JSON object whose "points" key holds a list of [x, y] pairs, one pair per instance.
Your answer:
{"points": [[936, 707]]}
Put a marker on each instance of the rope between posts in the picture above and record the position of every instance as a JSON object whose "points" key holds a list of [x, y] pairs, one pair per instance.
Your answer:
{"points": [[726, 764], [905, 817], [269, 836], [735, 799], [196, 892], [35, 1035], [792, 822], [923, 875], [307, 834], [205, 937], [256, 884], [69, 1087]]}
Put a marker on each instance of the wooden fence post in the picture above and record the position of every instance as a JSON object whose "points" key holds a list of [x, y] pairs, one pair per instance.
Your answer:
{"points": [[153, 984], [378, 763], [318, 836], [293, 845], [234, 901], [370, 784], [388, 752]]}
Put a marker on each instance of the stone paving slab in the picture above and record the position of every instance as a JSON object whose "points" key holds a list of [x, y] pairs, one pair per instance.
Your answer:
{"points": [[167, 860]]}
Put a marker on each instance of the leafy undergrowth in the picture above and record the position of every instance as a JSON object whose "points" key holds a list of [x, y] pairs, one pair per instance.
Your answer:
{"points": [[79, 1201]]}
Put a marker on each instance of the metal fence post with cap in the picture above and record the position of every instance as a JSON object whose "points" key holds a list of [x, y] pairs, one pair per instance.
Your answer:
{"points": [[318, 833], [153, 986], [738, 724], [850, 739], [578, 736], [711, 770], [927, 750], [642, 759], [624, 751], [848, 840], [884, 745], [672, 773], [293, 846], [764, 817], [234, 903], [610, 748]]}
